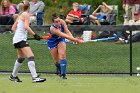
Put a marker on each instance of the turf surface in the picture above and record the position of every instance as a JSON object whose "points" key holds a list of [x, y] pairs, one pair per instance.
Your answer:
{"points": [[74, 84]]}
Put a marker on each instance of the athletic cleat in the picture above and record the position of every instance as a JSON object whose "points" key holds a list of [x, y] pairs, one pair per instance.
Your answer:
{"points": [[57, 71], [63, 77], [38, 79], [16, 79]]}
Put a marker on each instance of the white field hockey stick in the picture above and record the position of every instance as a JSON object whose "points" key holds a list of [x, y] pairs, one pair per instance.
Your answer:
{"points": [[103, 39]]}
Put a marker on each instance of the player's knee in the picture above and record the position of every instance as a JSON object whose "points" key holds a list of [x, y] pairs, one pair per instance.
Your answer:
{"points": [[20, 60], [32, 58], [62, 56]]}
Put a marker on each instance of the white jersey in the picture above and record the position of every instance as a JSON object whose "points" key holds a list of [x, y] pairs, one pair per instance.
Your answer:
{"points": [[21, 33]]}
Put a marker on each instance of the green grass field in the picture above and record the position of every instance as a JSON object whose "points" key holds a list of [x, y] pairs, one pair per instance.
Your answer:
{"points": [[74, 84], [94, 57]]}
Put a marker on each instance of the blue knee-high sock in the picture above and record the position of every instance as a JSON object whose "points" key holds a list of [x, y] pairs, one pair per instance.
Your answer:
{"points": [[63, 64], [58, 67]]}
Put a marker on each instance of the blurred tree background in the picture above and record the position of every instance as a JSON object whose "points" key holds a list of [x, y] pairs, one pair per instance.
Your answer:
{"points": [[64, 6]]}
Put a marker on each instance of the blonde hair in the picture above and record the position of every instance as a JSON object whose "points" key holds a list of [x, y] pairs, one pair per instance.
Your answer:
{"points": [[75, 3], [24, 5], [9, 3], [2, 8]]}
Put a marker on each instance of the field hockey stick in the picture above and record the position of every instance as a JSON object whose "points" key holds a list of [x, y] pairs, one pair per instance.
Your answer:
{"points": [[70, 42], [42, 37], [103, 39]]}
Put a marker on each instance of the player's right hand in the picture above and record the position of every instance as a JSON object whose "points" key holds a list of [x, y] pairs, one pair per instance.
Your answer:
{"points": [[37, 37], [79, 41]]}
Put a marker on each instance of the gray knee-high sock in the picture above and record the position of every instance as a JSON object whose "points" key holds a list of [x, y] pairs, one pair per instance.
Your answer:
{"points": [[17, 66]]}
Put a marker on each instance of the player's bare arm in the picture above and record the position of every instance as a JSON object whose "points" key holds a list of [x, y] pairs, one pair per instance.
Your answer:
{"points": [[61, 34], [14, 27], [26, 25], [65, 27]]}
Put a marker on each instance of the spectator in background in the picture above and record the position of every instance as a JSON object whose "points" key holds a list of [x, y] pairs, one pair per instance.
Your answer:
{"points": [[135, 21], [6, 13], [129, 7], [137, 5], [135, 34], [36, 6], [74, 15], [102, 15], [19, 6]]}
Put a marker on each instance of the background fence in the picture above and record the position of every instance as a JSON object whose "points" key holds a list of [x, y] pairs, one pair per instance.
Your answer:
{"points": [[92, 57]]}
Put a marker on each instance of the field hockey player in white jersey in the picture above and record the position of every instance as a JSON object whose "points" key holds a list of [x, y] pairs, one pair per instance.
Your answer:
{"points": [[21, 28]]}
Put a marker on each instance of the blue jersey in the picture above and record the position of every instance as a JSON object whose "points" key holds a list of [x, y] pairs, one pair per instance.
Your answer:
{"points": [[55, 40]]}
